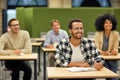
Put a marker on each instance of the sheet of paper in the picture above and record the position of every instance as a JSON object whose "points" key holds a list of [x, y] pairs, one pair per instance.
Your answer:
{"points": [[21, 54], [80, 69]]}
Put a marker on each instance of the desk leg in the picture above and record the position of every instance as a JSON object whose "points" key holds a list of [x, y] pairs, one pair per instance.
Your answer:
{"points": [[35, 69], [44, 57], [38, 60]]}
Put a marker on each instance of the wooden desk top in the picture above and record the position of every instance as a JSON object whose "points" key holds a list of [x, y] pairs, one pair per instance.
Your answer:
{"points": [[32, 56], [36, 43], [55, 72], [94, 39], [39, 39], [112, 57], [48, 49]]}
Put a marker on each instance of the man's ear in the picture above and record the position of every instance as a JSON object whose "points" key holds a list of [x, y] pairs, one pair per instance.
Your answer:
{"points": [[69, 30]]}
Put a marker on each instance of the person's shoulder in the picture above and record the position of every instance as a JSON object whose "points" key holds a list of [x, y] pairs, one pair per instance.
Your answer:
{"points": [[116, 32], [63, 30], [24, 31], [5, 34], [50, 31], [64, 40], [87, 40], [99, 32]]}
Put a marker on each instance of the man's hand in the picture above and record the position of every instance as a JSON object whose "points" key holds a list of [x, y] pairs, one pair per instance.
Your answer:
{"points": [[98, 65], [50, 46], [17, 52], [84, 64], [78, 64]]}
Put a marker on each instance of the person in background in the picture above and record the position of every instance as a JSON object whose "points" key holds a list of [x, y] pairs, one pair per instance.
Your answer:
{"points": [[107, 39], [52, 37], [77, 51], [16, 42]]}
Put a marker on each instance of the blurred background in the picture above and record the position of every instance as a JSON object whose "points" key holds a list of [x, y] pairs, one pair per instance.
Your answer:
{"points": [[35, 15]]}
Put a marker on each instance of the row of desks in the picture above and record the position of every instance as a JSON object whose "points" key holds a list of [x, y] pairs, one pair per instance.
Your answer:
{"points": [[54, 69], [37, 56], [54, 72]]}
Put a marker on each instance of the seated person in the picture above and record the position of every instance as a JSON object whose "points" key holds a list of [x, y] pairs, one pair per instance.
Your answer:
{"points": [[16, 42], [77, 51], [107, 39], [53, 36]]}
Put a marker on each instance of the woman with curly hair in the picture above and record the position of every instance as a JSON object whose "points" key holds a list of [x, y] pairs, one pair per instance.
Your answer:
{"points": [[107, 39]]}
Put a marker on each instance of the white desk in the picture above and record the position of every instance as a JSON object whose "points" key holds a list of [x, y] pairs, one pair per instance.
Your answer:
{"points": [[59, 72], [32, 56]]}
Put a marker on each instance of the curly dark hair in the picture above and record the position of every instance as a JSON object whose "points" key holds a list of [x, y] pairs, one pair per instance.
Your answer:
{"points": [[99, 22]]}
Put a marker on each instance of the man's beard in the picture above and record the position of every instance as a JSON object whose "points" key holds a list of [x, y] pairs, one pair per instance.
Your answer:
{"points": [[76, 37]]}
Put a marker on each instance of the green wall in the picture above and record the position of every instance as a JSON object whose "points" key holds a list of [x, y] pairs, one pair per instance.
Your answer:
{"points": [[37, 19], [25, 15], [20, 16], [117, 14]]}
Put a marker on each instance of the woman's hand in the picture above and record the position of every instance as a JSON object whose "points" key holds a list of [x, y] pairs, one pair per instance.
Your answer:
{"points": [[114, 52], [103, 53]]}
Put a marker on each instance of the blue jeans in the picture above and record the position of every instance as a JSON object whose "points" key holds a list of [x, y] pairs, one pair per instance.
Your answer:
{"points": [[113, 66]]}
